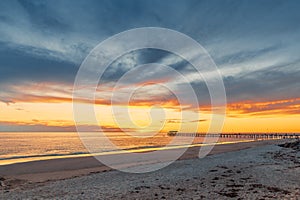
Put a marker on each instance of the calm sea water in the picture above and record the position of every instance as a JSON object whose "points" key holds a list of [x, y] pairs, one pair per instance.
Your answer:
{"points": [[23, 147]]}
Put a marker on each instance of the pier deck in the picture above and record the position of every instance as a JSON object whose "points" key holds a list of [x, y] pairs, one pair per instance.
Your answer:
{"points": [[240, 135]]}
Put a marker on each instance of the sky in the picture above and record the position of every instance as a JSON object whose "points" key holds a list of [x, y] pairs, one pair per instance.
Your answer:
{"points": [[255, 45]]}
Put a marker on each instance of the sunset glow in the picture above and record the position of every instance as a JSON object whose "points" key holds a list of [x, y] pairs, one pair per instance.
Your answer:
{"points": [[258, 62], [274, 116]]}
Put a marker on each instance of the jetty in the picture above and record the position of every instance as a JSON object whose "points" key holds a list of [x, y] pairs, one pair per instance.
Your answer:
{"points": [[239, 135]]}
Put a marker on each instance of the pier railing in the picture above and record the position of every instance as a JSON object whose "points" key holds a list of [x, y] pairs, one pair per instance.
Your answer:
{"points": [[240, 135]]}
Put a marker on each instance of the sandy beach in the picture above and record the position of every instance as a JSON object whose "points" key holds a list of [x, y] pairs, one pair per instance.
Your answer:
{"points": [[173, 99], [253, 170]]}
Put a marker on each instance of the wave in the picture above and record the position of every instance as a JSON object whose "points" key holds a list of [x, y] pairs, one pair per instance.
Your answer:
{"points": [[78, 153], [87, 153], [44, 155]]}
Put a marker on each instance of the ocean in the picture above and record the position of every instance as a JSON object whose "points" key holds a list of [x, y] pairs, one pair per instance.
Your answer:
{"points": [[17, 147]]}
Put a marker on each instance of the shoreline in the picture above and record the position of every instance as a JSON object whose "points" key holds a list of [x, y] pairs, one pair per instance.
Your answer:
{"points": [[32, 158], [264, 170], [64, 168]]}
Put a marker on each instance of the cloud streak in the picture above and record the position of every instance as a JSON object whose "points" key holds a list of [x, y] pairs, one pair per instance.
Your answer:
{"points": [[253, 43], [55, 126]]}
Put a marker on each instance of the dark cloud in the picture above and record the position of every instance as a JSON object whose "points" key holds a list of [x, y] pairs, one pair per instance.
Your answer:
{"points": [[245, 55], [272, 83], [200, 120], [45, 41], [43, 17], [19, 66]]}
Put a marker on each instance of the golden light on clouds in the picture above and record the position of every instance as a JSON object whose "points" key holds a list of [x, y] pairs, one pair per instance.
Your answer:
{"points": [[274, 116]]}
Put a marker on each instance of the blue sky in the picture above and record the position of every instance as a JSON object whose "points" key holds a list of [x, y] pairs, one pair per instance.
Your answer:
{"points": [[255, 43], [250, 41]]}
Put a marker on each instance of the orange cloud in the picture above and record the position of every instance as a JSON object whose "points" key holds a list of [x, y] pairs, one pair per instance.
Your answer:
{"points": [[61, 93], [279, 107], [169, 103]]}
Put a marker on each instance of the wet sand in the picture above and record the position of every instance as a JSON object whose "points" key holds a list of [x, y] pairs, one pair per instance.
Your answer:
{"points": [[243, 170], [56, 169]]}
